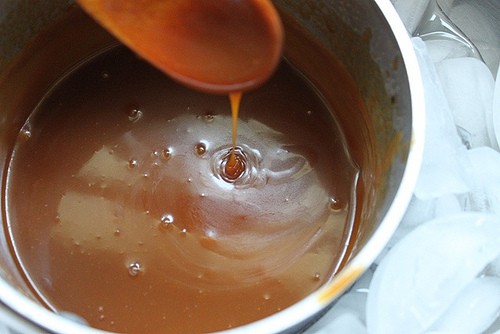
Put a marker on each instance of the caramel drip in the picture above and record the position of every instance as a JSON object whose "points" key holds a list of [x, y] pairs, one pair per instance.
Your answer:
{"points": [[235, 164]]}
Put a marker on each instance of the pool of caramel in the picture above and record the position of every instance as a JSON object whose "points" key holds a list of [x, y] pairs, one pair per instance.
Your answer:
{"points": [[116, 211]]}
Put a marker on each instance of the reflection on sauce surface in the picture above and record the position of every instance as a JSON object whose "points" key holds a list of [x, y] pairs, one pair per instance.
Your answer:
{"points": [[119, 211]]}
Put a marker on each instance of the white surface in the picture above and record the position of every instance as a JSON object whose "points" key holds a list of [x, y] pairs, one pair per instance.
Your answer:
{"points": [[496, 109], [440, 273], [468, 85], [473, 310], [420, 278]]}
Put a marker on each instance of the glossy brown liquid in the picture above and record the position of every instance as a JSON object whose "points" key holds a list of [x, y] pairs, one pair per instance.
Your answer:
{"points": [[119, 209], [235, 165]]}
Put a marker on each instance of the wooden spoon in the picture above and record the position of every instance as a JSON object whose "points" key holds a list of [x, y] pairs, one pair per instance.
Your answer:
{"points": [[216, 46]]}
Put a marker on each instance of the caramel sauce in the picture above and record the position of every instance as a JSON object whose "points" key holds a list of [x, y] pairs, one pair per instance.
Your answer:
{"points": [[126, 206], [235, 164]]}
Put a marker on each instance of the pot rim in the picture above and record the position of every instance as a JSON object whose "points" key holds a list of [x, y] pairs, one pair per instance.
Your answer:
{"points": [[22, 311]]}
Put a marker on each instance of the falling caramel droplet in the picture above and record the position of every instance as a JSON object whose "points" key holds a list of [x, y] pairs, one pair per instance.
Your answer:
{"points": [[235, 99], [235, 165]]}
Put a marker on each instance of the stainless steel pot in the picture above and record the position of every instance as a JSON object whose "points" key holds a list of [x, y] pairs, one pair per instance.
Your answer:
{"points": [[386, 137]]}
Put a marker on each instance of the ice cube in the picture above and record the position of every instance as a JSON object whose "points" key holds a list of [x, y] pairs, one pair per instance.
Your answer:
{"points": [[474, 310], [496, 110], [411, 12], [484, 175], [344, 323], [448, 205], [440, 174], [420, 211], [425, 272], [497, 326], [468, 85], [480, 21], [493, 268], [440, 49]]}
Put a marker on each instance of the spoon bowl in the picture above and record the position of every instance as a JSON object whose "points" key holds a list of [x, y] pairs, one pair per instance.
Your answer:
{"points": [[218, 46]]}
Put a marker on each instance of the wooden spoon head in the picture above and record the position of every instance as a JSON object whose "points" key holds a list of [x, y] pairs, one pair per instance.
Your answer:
{"points": [[216, 46]]}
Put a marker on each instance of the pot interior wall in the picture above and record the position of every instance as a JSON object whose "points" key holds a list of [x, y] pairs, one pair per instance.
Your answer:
{"points": [[377, 127]]}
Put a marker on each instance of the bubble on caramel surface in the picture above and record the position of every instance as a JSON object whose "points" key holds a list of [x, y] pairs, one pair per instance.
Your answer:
{"points": [[200, 149], [166, 153], [336, 204], [134, 268], [166, 220], [105, 75], [25, 132], [132, 163], [134, 114]]}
